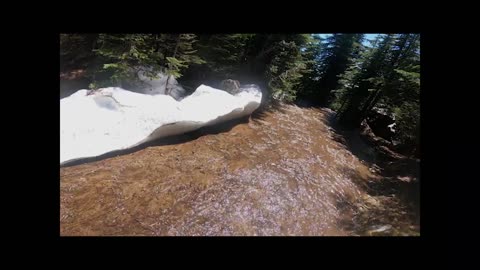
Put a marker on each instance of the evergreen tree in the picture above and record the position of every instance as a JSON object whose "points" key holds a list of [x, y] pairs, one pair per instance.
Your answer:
{"points": [[311, 55], [362, 80], [182, 56], [123, 55], [224, 55], [76, 50], [339, 51], [285, 69], [226, 52], [403, 92], [276, 59], [386, 76]]}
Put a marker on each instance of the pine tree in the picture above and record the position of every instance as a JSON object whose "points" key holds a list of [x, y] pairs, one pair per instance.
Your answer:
{"points": [[275, 59], [363, 80], [386, 76], [76, 50], [224, 55], [182, 56], [403, 93], [311, 55], [121, 56], [286, 67], [338, 53]]}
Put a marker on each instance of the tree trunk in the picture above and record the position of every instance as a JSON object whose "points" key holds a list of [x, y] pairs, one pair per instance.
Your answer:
{"points": [[167, 90], [375, 100], [157, 43], [371, 102], [339, 111], [176, 46]]}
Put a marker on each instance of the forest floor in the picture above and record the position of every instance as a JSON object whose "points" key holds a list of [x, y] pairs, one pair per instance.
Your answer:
{"points": [[284, 171]]}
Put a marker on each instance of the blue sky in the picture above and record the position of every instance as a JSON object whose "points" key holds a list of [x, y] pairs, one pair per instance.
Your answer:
{"points": [[367, 37]]}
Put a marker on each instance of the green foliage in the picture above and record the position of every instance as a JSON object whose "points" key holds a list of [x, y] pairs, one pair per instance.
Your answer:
{"points": [[311, 54], [121, 56], [184, 52], [275, 59], [285, 70], [387, 76], [361, 81], [174, 66], [224, 53], [406, 104], [76, 49], [408, 122], [338, 52]]}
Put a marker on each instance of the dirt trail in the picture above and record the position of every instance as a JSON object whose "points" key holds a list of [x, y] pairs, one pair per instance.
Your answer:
{"points": [[282, 173]]}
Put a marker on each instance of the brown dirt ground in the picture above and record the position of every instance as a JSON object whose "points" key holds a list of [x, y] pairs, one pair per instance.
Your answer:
{"points": [[283, 172]]}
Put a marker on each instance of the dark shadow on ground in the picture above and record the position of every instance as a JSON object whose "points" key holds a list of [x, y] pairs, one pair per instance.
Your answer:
{"points": [[306, 103], [258, 114], [396, 184], [271, 107], [175, 139], [388, 211]]}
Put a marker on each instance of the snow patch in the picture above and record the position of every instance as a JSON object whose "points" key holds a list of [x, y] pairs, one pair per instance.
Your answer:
{"points": [[114, 118]]}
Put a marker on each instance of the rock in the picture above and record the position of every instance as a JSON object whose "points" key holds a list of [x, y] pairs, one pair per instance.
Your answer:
{"points": [[230, 86], [375, 168], [158, 86], [381, 123], [368, 134], [376, 230], [371, 201], [406, 179]]}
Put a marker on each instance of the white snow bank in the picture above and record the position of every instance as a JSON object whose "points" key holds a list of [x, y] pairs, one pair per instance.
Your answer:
{"points": [[114, 119]]}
